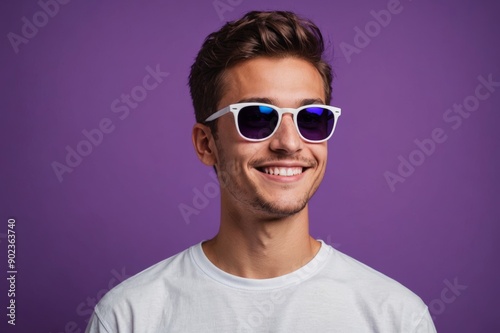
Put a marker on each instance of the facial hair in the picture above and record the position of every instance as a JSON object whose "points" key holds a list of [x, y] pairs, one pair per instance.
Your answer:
{"points": [[228, 175]]}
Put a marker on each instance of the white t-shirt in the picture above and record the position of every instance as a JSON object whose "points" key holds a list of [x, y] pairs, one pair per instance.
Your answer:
{"points": [[331, 293]]}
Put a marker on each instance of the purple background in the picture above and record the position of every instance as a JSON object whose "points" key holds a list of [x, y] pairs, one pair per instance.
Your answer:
{"points": [[119, 209]]}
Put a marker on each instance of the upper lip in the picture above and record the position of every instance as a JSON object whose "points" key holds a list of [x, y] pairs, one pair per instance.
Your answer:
{"points": [[284, 164]]}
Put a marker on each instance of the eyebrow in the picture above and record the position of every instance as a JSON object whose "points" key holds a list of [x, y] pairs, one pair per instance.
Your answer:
{"points": [[266, 100]]}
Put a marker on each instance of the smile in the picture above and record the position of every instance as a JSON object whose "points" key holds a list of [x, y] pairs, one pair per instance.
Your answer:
{"points": [[282, 171]]}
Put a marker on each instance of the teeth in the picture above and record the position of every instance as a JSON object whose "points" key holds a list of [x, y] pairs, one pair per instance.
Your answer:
{"points": [[283, 171]]}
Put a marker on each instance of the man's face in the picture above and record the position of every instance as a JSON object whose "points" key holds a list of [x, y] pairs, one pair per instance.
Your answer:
{"points": [[248, 169]]}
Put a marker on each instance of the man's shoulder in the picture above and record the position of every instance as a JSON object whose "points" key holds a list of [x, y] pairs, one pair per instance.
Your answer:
{"points": [[148, 294], [360, 278], [153, 281], [359, 290]]}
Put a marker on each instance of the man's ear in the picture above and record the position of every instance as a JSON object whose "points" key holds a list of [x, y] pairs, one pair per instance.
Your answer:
{"points": [[204, 144]]}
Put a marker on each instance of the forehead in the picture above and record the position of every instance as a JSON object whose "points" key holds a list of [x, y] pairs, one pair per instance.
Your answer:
{"points": [[284, 81]]}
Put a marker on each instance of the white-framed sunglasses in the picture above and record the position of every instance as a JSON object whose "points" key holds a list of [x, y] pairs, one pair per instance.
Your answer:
{"points": [[259, 121]]}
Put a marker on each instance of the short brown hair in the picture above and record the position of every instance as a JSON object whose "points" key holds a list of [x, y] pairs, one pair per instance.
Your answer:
{"points": [[270, 34]]}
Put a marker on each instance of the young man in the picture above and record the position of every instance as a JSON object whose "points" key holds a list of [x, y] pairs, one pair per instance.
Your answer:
{"points": [[260, 91]]}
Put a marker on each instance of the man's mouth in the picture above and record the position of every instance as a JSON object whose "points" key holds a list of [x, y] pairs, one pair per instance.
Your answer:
{"points": [[282, 171]]}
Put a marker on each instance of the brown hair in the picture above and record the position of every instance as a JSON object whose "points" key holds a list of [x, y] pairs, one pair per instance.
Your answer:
{"points": [[270, 34]]}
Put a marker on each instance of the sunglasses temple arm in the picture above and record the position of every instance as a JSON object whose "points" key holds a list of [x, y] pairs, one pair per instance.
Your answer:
{"points": [[218, 114]]}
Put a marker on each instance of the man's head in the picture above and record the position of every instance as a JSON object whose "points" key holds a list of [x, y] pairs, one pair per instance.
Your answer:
{"points": [[275, 34], [272, 58]]}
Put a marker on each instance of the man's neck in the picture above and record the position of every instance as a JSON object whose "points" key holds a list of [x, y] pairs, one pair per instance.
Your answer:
{"points": [[260, 249]]}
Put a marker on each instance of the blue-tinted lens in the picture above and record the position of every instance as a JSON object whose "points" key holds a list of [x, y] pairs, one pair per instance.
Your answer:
{"points": [[257, 121], [315, 123], [265, 109]]}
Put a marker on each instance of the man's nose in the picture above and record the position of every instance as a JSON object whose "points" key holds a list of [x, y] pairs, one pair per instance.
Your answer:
{"points": [[286, 139]]}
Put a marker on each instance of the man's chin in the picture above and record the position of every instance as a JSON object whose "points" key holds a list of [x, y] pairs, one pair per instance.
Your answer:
{"points": [[279, 210]]}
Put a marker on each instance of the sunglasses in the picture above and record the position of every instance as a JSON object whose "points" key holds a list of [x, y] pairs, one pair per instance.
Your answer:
{"points": [[258, 121]]}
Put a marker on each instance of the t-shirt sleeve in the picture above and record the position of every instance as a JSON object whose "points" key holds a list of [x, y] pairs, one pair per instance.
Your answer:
{"points": [[95, 325], [426, 324]]}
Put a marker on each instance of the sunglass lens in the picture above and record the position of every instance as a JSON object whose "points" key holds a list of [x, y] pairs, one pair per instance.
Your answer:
{"points": [[257, 121], [315, 123]]}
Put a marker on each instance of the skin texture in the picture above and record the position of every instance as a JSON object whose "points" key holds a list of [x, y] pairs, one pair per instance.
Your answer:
{"points": [[264, 227]]}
